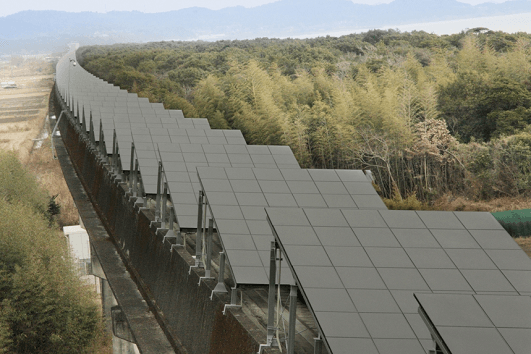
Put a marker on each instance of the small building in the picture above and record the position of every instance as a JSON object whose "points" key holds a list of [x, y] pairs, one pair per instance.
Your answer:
{"points": [[9, 85], [78, 241]]}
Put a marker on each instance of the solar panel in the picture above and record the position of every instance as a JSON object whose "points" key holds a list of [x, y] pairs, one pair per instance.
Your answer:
{"points": [[367, 277], [237, 197], [478, 323]]}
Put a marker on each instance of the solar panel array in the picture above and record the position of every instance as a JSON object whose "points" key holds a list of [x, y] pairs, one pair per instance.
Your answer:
{"points": [[182, 144], [356, 263], [360, 288], [237, 198], [479, 324], [182, 160]]}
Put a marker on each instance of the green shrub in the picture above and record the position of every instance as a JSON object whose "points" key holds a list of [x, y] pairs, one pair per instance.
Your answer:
{"points": [[44, 308]]}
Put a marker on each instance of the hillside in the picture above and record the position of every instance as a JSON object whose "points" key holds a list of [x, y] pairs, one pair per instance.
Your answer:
{"points": [[32, 31]]}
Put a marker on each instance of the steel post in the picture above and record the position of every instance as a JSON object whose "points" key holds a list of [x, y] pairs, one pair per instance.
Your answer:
{"points": [[292, 319], [220, 286], [198, 239], [208, 265], [271, 329], [164, 206], [157, 201]]}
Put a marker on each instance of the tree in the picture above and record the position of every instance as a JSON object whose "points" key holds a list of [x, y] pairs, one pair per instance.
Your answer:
{"points": [[44, 308]]}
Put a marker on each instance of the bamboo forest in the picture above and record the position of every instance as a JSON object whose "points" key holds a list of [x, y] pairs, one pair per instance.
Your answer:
{"points": [[429, 115]]}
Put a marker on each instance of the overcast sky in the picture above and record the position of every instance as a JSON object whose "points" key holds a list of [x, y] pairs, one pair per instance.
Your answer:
{"points": [[10, 7]]}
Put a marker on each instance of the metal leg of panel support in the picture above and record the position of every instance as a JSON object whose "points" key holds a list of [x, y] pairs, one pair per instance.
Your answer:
{"points": [[134, 180], [208, 251], [318, 345], [233, 300], [131, 169], [272, 341], [292, 319], [158, 198], [220, 287], [163, 226], [164, 207], [437, 349], [139, 202], [198, 239], [179, 240], [171, 233]]}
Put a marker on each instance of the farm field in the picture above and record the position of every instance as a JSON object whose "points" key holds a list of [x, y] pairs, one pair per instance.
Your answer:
{"points": [[23, 113]]}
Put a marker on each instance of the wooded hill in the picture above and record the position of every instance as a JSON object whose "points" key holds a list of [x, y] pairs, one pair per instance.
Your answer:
{"points": [[427, 114]]}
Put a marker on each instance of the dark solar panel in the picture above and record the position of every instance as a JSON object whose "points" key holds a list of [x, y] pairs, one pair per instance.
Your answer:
{"points": [[237, 196], [370, 274], [478, 323]]}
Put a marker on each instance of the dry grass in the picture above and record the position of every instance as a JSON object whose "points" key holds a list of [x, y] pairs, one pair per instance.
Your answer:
{"points": [[452, 203], [50, 177], [525, 243]]}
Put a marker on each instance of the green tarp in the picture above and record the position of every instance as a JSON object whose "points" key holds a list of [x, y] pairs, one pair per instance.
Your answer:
{"points": [[516, 222]]}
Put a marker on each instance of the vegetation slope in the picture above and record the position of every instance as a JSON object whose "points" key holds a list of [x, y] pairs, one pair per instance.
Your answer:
{"points": [[44, 308], [429, 115]]}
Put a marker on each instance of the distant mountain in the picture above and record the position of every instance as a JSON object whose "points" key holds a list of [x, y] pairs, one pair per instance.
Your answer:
{"points": [[37, 31]]}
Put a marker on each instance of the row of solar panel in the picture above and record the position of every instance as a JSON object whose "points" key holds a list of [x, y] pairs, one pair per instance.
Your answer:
{"points": [[357, 269]]}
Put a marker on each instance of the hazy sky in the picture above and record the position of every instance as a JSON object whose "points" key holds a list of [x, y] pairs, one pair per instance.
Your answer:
{"points": [[9, 7]]}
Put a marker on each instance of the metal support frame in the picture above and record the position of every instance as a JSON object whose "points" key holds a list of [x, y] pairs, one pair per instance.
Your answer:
{"points": [[101, 144], [292, 318], [233, 300], [163, 212], [114, 157], [171, 233], [271, 328], [78, 117], [141, 201], [135, 180], [437, 349], [120, 165], [71, 106], [118, 171], [131, 170], [198, 238], [318, 345], [438, 342], [83, 121], [164, 206], [92, 138], [220, 286], [208, 251], [158, 197]]}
